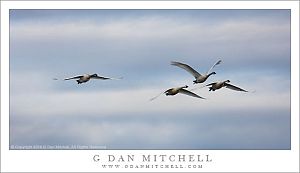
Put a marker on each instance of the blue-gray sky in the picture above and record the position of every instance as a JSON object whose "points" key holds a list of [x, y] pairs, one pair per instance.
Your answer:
{"points": [[254, 46]]}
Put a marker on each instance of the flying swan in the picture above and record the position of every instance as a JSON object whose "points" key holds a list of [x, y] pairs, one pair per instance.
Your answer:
{"points": [[199, 78], [219, 85], [174, 91], [86, 77]]}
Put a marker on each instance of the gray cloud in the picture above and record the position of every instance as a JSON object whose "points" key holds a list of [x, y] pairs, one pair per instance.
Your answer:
{"points": [[144, 41], [220, 130]]}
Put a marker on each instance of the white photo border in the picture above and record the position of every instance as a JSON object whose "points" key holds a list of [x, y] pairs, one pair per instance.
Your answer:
{"points": [[93, 160]]}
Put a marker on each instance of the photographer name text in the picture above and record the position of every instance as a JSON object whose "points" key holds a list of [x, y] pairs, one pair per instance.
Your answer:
{"points": [[152, 158]]}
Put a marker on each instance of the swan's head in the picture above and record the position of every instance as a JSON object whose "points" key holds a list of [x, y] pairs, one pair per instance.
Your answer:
{"points": [[227, 81], [213, 72]]}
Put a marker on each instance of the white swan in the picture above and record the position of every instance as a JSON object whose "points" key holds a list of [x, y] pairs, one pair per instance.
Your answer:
{"points": [[174, 91], [86, 77], [199, 78], [219, 85]]}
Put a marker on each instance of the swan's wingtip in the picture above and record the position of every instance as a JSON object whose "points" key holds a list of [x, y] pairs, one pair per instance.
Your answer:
{"points": [[253, 91], [150, 100]]}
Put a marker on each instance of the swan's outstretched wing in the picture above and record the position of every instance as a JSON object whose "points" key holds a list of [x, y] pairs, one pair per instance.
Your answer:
{"points": [[100, 77], [211, 84], [217, 63], [116, 78], [156, 96], [183, 91], [234, 87], [105, 78], [187, 68], [75, 77]]}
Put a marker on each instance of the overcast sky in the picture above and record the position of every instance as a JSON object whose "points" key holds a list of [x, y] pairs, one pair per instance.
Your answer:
{"points": [[138, 45]]}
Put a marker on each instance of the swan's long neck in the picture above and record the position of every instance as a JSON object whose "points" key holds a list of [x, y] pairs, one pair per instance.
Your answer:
{"points": [[224, 82], [210, 74], [179, 88], [184, 86]]}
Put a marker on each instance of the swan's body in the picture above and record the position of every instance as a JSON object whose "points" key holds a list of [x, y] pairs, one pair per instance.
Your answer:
{"points": [[174, 91], [86, 77], [200, 78], [219, 85]]}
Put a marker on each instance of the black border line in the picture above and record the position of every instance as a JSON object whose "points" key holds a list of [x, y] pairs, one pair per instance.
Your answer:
{"points": [[290, 147]]}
